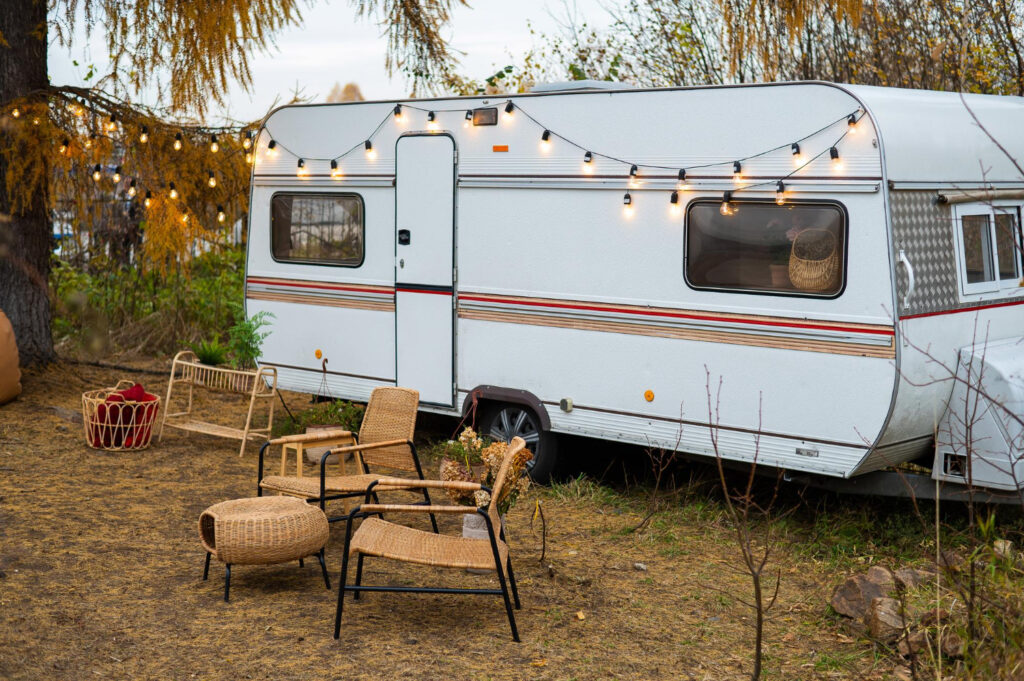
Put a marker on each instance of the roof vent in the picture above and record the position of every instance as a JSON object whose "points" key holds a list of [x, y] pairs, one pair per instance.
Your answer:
{"points": [[576, 85]]}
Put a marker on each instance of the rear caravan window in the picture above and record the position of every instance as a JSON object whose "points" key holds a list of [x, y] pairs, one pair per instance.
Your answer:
{"points": [[321, 229], [762, 247], [988, 238]]}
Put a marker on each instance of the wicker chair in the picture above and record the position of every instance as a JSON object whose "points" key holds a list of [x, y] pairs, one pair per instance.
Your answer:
{"points": [[384, 441], [377, 537]]}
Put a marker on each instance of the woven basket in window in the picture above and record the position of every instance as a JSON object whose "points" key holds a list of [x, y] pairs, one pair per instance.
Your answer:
{"points": [[814, 261]]}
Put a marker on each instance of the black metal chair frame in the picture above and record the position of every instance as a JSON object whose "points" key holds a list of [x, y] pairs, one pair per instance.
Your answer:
{"points": [[324, 497], [359, 587], [227, 572]]}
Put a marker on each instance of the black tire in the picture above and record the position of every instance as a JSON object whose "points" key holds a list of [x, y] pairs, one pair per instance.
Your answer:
{"points": [[504, 421]]}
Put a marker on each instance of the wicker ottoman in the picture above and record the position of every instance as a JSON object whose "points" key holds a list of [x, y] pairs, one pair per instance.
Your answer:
{"points": [[261, 531]]}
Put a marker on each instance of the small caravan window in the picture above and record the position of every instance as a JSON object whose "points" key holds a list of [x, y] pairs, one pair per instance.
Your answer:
{"points": [[989, 248], [795, 248], [317, 228]]}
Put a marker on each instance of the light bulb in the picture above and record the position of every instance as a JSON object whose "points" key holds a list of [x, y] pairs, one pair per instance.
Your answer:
{"points": [[851, 123], [681, 184], [132, 189], [35, 121], [588, 162], [184, 218], [247, 140], [117, 175], [370, 151], [220, 214], [272, 150], [16, 112], [726, 207], [545, 140], [627, 205], [89, 140], [112, 123], [737, 171], [837, 163], [214, 145], [780, 193], [96, 173], [144, 135], [177, 141], [673, 202], [301, 169], [509, 108], [431, 121], [148, 200], [65, 143], [248, 157], [798, 157], [173, 191], [212, 180], [398, 112], [469, 119], [335, 170]]}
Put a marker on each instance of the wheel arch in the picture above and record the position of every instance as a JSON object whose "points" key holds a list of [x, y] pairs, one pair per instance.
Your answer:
{"points": [[481, 394]]}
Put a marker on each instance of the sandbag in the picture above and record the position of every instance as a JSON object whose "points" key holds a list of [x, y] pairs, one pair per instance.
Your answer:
{"points": [[10, 373]]}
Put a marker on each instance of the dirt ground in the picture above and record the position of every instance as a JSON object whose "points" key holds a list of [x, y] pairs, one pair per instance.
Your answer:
{"points": [[101, 577]]}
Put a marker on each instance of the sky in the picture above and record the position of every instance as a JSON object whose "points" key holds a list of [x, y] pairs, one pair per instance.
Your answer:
{"points": [[332, 46]]}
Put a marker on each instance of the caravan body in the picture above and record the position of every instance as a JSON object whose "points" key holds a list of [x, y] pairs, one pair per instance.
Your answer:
{"points": [[635, 265]]}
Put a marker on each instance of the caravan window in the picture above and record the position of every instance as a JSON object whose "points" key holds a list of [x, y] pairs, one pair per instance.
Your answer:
{"points": [[795, 248], [988, 248], [323, 229]]}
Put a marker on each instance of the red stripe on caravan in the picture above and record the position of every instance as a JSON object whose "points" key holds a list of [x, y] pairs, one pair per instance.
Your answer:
{"points": [[326, 287], [976, 308], [683, 315], [405, 289]]}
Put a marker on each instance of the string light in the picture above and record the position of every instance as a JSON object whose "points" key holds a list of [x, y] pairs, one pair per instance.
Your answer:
{"points": [[144, 135], [220, 214], [627, 205], [737, 171], [633, 170], [214, 145], [146, 202], [432, 121], [247, 140], [588, 163], [272, 149], [681, 184], [90, 140], [173, 191], [16, 112], [184, 217], [509, 108], [248, 157], [335, 170], [469, 119], [301, 169], [117, 175], [211, 179], [726, 208], [112, 123], [370, 151], [673, 201], [398, 112], [77, 109], [780, 193], [64, 144], [836, 161], [851, 123], [132, 189], [798, 157], [96, 173], [35, 121], [177, 141]]}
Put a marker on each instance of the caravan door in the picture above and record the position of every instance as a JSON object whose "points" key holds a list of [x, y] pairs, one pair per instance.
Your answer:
{"points": [[424, 277]]}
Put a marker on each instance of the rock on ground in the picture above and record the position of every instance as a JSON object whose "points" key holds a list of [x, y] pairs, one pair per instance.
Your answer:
{"points": [[853, 597], [885, 621]]}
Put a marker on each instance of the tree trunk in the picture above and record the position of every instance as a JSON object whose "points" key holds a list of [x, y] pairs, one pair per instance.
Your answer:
{"points": [[25, 235]]}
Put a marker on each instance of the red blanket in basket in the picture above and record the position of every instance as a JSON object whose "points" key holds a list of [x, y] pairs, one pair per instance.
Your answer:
{"points": [[125, 425]]}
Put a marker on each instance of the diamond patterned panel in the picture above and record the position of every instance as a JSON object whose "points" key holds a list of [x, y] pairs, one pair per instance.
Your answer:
{"points": [[925, 230]]}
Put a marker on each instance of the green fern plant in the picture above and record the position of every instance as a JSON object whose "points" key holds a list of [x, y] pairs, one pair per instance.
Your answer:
{"points": [[211, 352], [245, 340]]}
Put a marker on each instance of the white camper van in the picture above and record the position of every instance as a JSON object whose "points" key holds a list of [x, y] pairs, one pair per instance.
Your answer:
{"points": [[588, 261]]}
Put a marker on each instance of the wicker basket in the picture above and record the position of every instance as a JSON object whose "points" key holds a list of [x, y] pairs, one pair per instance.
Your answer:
{"points": [[814, 275], [118, 424]]}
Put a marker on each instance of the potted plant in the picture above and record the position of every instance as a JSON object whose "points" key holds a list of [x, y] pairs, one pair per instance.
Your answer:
{"points": [[472, 459], [211, 352]]}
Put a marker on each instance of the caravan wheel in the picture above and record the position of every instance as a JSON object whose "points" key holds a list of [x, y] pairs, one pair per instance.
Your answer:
{"points": [[504, 422]]}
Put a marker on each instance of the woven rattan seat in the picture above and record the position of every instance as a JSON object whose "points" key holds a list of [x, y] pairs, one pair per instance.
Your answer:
{"points": [[377, 537], [262, 531], [384, 442]]}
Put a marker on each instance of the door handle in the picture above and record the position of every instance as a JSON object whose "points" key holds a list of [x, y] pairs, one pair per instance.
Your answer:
{"points": [[404, 237], [905, 261]]}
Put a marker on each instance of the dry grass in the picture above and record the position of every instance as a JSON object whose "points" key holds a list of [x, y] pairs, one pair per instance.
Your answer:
{"points": [[101, 576]]}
